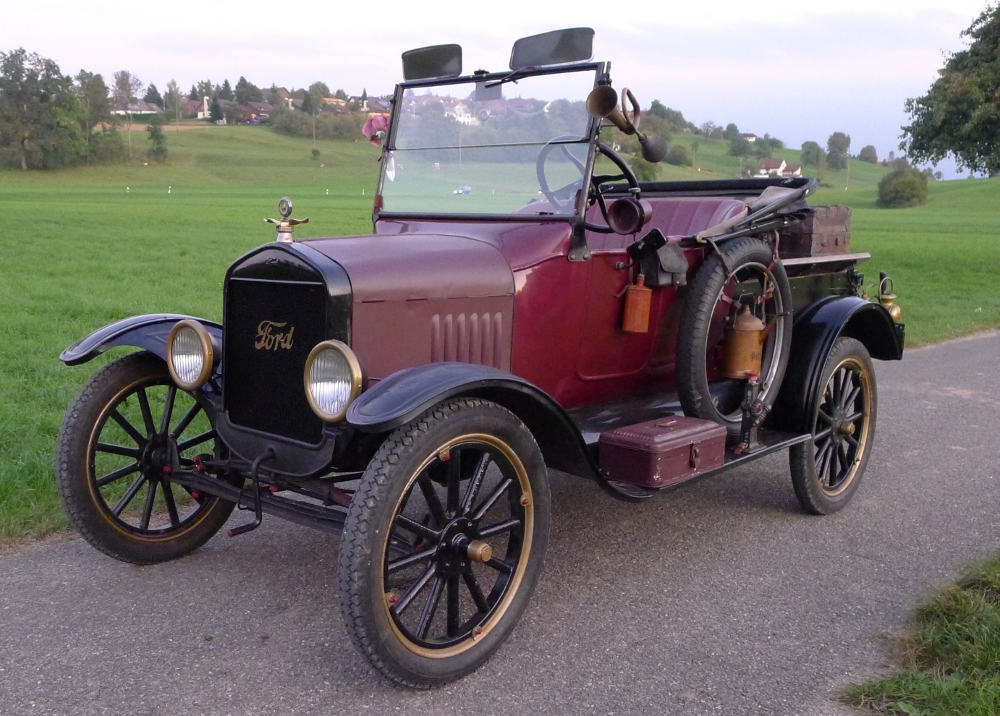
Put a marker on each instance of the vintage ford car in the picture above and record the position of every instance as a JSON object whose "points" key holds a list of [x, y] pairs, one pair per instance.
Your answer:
{"points": [[409, 389]]}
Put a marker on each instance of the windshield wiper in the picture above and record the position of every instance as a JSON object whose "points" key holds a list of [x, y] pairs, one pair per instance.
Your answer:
{"points": [[511, 76]]}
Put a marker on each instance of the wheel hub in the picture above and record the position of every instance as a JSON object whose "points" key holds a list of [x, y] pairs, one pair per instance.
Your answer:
{"points": [[155, 454], [459, 547]]}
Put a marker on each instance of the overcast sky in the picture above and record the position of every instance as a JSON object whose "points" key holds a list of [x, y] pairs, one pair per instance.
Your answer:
{"points": [[798, 70]]}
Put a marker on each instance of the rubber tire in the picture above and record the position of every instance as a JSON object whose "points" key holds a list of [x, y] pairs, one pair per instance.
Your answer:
{"points": [[699, 305], [86, 514], [801, 459], [380, 489]]}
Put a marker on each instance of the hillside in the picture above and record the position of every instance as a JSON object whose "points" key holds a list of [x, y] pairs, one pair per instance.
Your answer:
{"points": [[713, 161]]}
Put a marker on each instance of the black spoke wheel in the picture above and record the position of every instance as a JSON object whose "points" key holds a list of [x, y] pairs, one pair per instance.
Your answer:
{"points": [[750, 275], [827, 470], [113, 463], [444, 542]]}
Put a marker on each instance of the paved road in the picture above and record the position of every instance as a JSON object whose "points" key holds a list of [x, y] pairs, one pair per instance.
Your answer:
{"points": [[721, 598]]}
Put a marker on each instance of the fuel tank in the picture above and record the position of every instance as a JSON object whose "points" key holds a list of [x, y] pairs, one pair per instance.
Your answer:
{"points": [[423, 298]]}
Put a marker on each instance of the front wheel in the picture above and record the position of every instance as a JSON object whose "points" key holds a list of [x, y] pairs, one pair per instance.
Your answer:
{"points": [[444, 542], [827, 469], [112, 464]]}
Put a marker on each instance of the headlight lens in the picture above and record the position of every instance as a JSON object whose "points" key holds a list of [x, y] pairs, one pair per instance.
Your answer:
{"points": [[333, 379], [190, 355]]}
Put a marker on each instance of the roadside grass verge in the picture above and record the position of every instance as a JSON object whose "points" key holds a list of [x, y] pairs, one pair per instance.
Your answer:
{"points": [[949, 656]]}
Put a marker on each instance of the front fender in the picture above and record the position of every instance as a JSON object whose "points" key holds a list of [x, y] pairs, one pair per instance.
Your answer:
{"points": [[148, 332], [405, 394], [813, 334]]}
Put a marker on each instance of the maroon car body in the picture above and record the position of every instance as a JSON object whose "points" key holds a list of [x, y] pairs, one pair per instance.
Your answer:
{"points": [[403, 386]]}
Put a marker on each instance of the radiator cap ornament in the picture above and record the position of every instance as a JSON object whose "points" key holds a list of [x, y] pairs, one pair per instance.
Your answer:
{"points": [[285, 224]]}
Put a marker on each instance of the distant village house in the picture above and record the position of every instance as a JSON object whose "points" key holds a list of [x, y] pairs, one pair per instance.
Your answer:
{"points": [[778, 168]]}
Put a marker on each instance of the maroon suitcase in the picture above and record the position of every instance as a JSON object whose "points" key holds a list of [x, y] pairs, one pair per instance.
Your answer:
{"points": [[662, 452]]}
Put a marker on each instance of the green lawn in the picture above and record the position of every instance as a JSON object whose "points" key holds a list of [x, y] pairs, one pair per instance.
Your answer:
{"points": [[80, 250]]}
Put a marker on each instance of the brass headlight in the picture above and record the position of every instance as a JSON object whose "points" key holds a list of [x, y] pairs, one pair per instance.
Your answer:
{"points": [[190, 354], [333, 380]]}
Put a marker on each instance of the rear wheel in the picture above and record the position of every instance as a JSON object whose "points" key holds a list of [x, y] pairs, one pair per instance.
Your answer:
{"points": [[444, 542], [827, 469], [115, 441]]}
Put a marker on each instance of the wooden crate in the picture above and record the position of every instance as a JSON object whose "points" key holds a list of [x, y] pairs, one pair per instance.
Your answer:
{"points": [[825, 230]]}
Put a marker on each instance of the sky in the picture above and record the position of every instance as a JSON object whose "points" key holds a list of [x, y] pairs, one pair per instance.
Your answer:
{"points": [[796, 70]]}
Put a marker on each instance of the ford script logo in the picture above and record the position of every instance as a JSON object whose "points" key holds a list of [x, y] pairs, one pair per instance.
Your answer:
{"points": [[271, 338]]}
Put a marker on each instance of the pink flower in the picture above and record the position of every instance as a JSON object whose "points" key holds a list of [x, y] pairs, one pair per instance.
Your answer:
{"points": [[375, 128]]}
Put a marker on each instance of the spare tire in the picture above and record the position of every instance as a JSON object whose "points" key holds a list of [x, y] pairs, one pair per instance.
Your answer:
{"points": [[749, 268]]}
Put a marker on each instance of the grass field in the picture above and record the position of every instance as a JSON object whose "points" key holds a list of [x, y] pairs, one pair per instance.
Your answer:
{"points": [[80, 250]]}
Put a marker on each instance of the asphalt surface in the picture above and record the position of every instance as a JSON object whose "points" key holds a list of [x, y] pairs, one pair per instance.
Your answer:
{"points": [[719, 598]]}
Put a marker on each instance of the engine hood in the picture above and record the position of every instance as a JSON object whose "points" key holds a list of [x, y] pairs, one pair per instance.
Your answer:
{"points": [[425, 298], [408, 267]]}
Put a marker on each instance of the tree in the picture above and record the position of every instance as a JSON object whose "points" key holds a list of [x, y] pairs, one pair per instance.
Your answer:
{"points": [[766, 146], [902, 188], [205, 89], [126, 88], [173, 100], [153, 96], [837, 148], [312, 103], [157, 138], [811, 153], [364, 96], [226, 91], [643, 170], [40, 113], [739, 146], [232, 112], [340, 94], [678, 156], [193, 94], [93, 94], [215, 111], [868, 154], [731, 132], [960, 114], [247, 92]]}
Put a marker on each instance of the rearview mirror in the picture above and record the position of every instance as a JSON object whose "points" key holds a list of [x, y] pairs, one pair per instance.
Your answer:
{"points": [[432, 62], [553, 48]]}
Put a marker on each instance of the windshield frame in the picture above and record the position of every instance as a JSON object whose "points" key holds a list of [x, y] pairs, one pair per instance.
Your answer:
{"points": [[601, 71]]}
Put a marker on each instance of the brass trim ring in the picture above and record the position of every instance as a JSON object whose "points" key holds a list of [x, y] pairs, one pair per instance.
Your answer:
{"points": [[513, 585], [207, 350], [357, 377]]}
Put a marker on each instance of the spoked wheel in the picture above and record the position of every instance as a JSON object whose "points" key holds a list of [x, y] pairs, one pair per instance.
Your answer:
{"points": [[444, 542], [749, 275], [827, 470], [113, 464]]}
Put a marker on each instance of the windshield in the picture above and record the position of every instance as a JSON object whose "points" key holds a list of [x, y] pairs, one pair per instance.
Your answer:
{"points": [[468, 148]]}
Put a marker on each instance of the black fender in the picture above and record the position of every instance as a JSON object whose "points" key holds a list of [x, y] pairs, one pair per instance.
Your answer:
{"points": [[148, 332], [404, 395], [813, 334]]}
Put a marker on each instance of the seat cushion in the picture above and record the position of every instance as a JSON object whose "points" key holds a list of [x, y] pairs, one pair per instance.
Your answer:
{"points": [[684, 216]]}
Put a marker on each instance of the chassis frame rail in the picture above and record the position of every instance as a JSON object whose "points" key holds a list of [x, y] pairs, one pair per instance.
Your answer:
{"points": [[326, 519]]}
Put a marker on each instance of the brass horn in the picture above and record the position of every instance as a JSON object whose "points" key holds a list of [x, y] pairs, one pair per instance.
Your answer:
{"points": [[602, 102]]}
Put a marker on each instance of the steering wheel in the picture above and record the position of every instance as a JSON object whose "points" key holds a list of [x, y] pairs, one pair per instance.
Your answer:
{"points": [[597, 180], [561, 199]]}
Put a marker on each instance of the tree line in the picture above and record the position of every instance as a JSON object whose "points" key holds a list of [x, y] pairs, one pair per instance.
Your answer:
{"points": [[48, 119]]}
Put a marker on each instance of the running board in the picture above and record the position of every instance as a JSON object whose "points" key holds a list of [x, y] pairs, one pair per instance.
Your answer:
{"points": [[326, 519]]}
